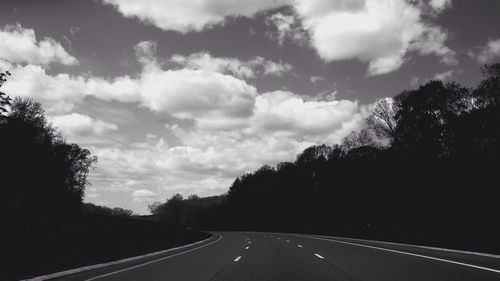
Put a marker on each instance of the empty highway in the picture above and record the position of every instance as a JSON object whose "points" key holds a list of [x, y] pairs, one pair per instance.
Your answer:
{"points": [[239, 256]]}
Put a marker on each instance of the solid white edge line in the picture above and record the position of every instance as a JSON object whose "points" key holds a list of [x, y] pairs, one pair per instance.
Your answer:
{"points": [[153, 261], [101, 265], [238, 258], [405, 253], [319, 256], [420, 246], [406, 245]]}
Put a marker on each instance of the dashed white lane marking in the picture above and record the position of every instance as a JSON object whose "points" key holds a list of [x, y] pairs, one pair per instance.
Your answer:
{"points": [[405, 253], [237, 259], [249, 242], [319, 256], [246, 248], [288, 241], [300, 246]]}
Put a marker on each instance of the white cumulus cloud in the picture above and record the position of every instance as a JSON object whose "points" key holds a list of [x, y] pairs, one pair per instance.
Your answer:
{"points": [[440, 5], [20, 45], [79, 124], [378, 32], [381, 33], [242, 69], [184, 16]]}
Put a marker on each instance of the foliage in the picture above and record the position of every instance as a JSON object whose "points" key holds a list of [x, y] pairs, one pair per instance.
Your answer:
{"points": [[4, 99], [429, 183], [103, 211], [42, 174]]}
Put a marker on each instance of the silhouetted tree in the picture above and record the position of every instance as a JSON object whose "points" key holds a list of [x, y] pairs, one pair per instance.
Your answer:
{"points": [[4, 99], [430, 184], [357, 139], [121, 212], [43, 175], [382, 119]]}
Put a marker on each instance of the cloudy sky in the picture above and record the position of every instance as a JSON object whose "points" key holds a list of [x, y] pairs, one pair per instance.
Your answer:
{"points": [[181, 96]]}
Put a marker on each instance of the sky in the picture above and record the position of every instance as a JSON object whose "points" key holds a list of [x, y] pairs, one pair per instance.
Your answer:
{"points": [[178, 96]]}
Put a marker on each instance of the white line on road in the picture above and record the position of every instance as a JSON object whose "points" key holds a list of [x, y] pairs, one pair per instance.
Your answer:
{"points": [[288, 241], [153, 261], [319, 256], [300, 246], [237, 259], [249, 242], [246, 248], [406, 253]]}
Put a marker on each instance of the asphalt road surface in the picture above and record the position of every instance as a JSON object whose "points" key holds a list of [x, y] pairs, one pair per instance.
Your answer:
{"points": [[239, 256]]}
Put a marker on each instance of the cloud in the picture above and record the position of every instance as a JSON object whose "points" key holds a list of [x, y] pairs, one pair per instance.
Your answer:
{"points": [[185, 93], [381, 33], [19, 45], [287, 27], [444, 75], [185, 16], [144, 195], [440, 5], [433, 41], [241, 69], [488, 53], [287, 114], [414, 81], [58, 93], [196, 94], [231, 128], [79, 124], [273, 68], [74, 29], [378, 32], [205, 160], [61, 93], [316, 79], [145, 52]]}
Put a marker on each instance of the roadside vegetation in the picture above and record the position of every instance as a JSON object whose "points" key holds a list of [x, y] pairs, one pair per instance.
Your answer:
{"points": [[424, 169], [45, 225]]}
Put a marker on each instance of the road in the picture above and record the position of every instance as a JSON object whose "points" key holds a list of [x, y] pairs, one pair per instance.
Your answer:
{"points": [[239, 256]]}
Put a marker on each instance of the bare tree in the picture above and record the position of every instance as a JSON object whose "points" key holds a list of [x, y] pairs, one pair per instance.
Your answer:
{"points": [[382, 120], [357, 139]]}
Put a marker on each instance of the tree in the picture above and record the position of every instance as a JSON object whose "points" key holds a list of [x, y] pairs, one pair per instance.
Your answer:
{"points": [[313, 153], [42, 174], [488, 91], [382, 119], [4, 99], [155, 208], [357, 139], [120, 212]]}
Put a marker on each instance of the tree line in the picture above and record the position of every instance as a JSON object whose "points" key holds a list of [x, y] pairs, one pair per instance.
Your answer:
{"points": [[46, 226], [423, 169], [43, 177]]}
